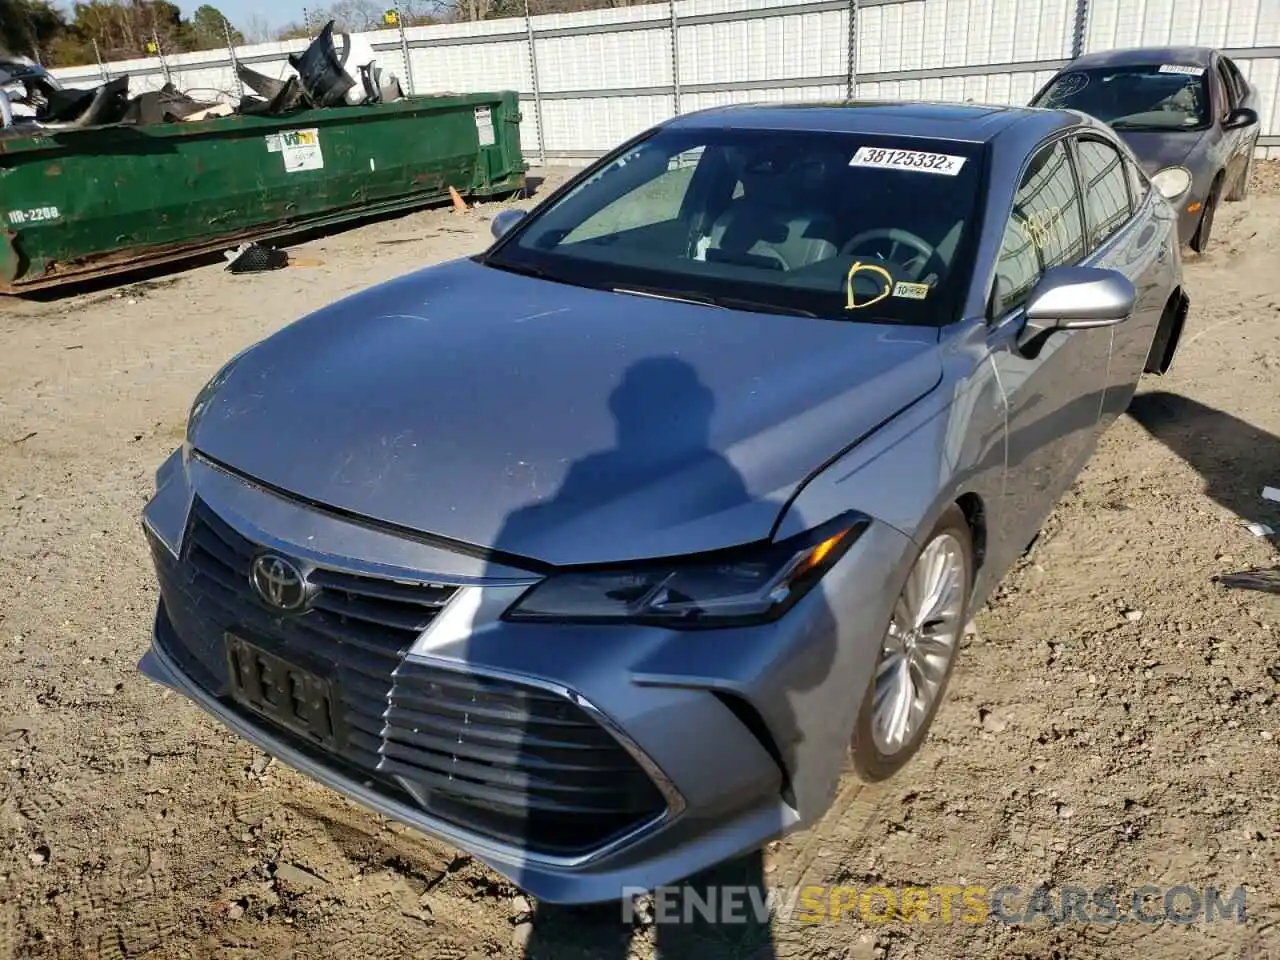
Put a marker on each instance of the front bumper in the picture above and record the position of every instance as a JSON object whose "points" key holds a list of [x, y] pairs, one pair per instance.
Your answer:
{"points": [[706, 745]]}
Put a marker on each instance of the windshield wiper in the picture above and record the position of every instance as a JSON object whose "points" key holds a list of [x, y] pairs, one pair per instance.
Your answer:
{"points": [[728, 303], [1156, 127], [523, 269], [756, 306], [658, 293]]}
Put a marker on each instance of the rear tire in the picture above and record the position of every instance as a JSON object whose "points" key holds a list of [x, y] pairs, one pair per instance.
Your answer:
{"points": [[1200, 242], [917, 653]]}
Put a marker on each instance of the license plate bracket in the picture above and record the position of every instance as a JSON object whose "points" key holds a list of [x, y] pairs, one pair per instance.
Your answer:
{"points": [[290, 696]]}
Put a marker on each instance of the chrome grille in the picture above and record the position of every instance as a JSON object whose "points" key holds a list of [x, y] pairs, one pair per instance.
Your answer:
{"points": [[358, 629], [382, 611], [502, 758]]}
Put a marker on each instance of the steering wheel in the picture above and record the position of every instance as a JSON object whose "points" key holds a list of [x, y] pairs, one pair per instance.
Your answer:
{"points": [[885, 244]]}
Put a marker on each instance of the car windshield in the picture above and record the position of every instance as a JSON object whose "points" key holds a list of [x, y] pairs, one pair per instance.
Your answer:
{"points": [[1151, 97], [831, 225]]}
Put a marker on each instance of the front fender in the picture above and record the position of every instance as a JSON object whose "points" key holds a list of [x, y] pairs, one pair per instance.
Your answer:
{"points": [[950, 444]]}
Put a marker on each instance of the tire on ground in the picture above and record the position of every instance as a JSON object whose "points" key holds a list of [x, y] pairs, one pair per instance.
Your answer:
{"points": [[868, 762]]}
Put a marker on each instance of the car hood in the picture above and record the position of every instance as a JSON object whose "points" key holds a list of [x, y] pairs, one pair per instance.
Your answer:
{"points": [[1156, 150], [556, 423]]}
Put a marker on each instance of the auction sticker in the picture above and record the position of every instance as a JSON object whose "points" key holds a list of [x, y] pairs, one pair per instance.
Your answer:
{"points": [[1180, 68], [918, 160]]}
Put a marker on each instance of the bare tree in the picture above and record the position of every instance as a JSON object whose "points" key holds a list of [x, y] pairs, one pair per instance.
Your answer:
{"points": [[356, 16], [256, 29], [423, 13]]}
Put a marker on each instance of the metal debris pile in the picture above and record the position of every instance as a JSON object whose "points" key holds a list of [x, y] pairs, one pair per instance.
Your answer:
{"points": [[33, 100]]}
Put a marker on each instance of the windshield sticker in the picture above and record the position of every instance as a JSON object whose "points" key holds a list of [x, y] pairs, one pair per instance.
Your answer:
{"points": [[910, 291], [1179, 68], [881, 276], [942, 163]]}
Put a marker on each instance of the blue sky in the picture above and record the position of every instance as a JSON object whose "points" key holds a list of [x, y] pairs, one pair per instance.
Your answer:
{"points": [[239, 12]]}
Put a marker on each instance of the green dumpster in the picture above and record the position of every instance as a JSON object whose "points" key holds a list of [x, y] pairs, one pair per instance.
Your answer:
{"points": [[85, 203]]}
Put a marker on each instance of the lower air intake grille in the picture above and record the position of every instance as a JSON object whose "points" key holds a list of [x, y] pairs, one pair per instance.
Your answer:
{"points": [[512, 760]]}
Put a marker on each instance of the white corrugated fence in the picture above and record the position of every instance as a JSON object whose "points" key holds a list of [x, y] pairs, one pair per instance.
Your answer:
{"points": [[590, 80]]}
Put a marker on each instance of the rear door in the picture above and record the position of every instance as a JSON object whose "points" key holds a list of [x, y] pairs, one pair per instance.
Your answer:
{"points": [[1054, 397]]}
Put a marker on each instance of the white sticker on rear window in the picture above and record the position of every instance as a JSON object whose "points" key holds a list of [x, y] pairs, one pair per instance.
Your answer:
{"points": [[918, 160], [1181, 68]]}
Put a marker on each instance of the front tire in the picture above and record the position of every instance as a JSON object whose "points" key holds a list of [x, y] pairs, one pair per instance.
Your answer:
{"points": [[918, 652]]}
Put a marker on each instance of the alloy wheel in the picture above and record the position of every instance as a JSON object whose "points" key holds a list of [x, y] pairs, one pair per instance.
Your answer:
{"points": [[919, 645]]}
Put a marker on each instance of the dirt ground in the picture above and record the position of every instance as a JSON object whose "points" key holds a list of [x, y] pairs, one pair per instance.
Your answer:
{"points": [[1117, 720]]}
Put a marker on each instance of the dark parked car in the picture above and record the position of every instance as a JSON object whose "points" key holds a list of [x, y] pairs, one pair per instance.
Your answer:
{"points": [[600, 553], [1188, 114], [25, 89]]}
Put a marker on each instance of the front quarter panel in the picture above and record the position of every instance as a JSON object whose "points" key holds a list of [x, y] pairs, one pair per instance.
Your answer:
{"points": [[948, 445], [1207, 159], [1204, 161]]}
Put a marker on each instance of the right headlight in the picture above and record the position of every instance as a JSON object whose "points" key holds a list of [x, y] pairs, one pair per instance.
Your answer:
{"points": [[737, 588], [1172, 182]]}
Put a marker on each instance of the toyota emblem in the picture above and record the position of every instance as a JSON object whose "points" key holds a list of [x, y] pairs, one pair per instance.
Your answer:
{"points": [[279, 583]]}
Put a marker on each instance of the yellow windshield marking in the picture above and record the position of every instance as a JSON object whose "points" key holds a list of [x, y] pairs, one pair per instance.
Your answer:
{"points": [[860, 267]]}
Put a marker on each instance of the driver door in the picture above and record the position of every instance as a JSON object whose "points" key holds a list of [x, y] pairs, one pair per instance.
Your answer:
{"points": [[1054, 396], [1237, 143]]}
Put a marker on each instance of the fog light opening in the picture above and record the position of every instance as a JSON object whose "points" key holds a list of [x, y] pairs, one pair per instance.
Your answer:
{"points": [[749, 718]]}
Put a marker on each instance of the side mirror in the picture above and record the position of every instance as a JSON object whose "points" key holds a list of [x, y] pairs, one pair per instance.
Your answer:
{"points": [[501, 224], [1077, 298], [1242, 117]]}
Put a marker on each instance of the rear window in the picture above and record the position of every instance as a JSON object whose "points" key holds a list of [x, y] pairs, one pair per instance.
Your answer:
{"points": [[1149, 97], [834, 225]]}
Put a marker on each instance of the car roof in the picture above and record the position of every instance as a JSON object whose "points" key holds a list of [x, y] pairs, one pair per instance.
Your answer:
{"points": [[955, 122], [1142, 56]]}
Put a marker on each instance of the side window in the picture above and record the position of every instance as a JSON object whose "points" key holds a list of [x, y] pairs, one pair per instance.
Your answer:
{"points": [[1105, 188], [655, 202], [1139, 185], [1230, 98], [1045, 227], [1238, 82]]}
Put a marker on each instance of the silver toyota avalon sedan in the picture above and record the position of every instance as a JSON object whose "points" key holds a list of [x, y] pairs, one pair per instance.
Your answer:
{"points": [[598, 554]]}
